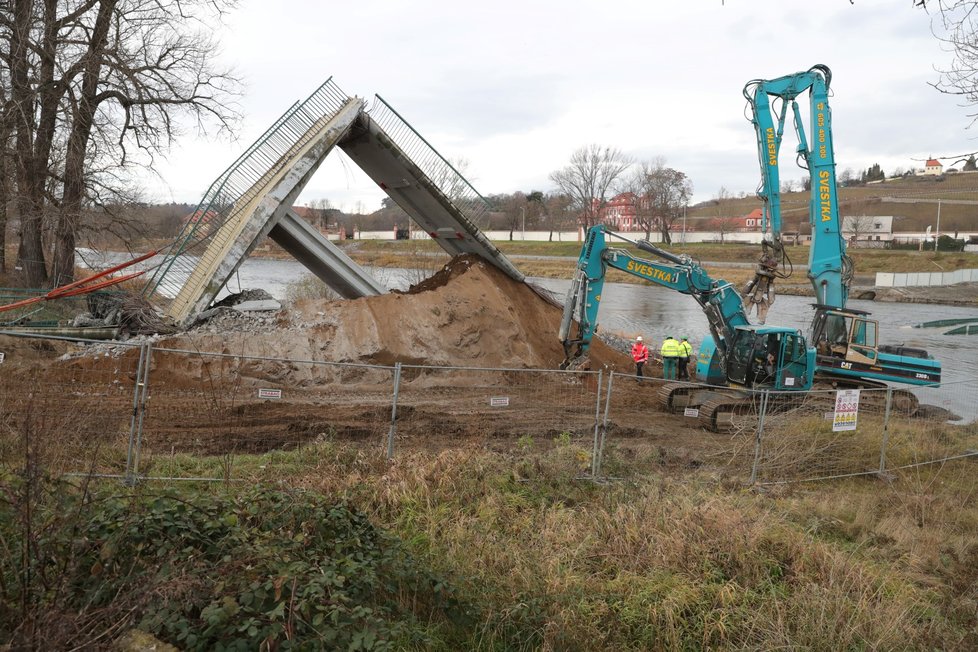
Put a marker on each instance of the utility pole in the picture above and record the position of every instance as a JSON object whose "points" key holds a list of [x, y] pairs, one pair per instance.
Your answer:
{"points": [[523, 217], [683, 240], [937, 234]]}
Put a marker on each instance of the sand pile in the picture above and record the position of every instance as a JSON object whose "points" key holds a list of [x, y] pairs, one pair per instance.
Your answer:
{"points": [[468, 314]]}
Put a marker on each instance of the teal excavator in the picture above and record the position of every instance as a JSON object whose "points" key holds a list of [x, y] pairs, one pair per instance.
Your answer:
{"points": [[738, 358], [741, 358], [846, 340]]}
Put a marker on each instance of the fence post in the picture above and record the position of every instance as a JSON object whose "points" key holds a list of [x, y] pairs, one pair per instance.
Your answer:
{"points": [[886, 429], [758, 437], [393, 428], [142, 387], [597, 426], [604, 423], [130, 452]]}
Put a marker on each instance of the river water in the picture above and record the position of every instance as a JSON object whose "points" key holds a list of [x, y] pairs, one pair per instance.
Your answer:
{"points": [[655, 312]]}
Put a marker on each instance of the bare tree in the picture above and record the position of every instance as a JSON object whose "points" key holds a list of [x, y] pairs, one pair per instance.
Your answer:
{"points": [[514, 210], [636, 186], [6, 182], [955, 23], [589, 177], [450, 178], [668, 192], [856, 226], [101, 86], [847, 177], [554, 211], [147, 65], [724, 221]]}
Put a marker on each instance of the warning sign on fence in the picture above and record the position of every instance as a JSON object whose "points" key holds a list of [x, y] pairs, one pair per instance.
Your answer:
{"points": [[498, 401], [2, 356], [846, 410], [269, 393]]}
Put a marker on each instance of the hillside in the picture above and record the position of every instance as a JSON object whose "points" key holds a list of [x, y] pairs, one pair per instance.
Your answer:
{"points": [[875, 199]]}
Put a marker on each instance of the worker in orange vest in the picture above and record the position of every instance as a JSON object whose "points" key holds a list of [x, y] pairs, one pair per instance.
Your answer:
{"points": [[640, 354]]}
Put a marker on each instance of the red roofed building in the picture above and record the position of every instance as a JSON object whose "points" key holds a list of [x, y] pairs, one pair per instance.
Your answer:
{"points": [[933, 166], [621, 212], [201, 222], [750, 222]]}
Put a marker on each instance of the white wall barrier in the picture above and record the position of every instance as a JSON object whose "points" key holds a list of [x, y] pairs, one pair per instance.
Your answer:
{"points": [[925, 279]]}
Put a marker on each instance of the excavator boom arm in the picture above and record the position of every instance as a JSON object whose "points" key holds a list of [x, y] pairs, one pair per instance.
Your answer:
{"points": [[719, 300], [829, 267]]}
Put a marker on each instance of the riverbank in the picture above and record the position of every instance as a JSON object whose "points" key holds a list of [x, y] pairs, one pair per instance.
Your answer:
{"points": [[737, 272], [731, 262], [962, 294]]}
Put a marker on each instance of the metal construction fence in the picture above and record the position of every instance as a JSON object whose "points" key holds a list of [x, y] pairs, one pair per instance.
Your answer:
{"points": [[140, 412]]}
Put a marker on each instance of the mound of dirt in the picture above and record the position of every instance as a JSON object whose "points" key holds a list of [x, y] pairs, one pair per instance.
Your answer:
{"points": [[26, 352], [468, 314]]}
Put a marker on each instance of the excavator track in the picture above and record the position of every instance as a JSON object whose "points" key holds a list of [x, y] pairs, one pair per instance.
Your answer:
{"points": [[720, 414], [723, 413], [674, 397]]}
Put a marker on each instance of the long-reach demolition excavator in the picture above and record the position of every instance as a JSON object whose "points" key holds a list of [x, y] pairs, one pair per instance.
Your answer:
{"points": [[739, 357], [848, 353]]}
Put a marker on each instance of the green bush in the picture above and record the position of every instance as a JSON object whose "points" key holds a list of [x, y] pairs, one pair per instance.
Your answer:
{"points": [[216, 572]]}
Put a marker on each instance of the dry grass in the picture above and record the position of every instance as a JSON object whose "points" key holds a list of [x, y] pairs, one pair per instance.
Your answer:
{"points": [[685, 563], [867, 261], [674, 561], [675, 558]]}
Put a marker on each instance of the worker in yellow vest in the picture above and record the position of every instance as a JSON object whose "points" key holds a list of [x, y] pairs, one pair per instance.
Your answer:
{"points": [[685, 352], [670, 352]]}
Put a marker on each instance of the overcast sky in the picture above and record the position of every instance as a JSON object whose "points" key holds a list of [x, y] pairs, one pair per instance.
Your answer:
{"points": [[515, 87]]}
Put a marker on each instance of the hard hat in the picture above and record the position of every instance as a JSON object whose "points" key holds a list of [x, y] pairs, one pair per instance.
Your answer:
{"points": [[638, 339]]}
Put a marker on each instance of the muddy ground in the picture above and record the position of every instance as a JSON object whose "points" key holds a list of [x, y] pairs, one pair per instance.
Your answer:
{"points": [[331, 361]]}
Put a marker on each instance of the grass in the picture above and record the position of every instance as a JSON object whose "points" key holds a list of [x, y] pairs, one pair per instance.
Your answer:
{"points": [[871, 200], [868, 261], [673, 558], [558, 265]]}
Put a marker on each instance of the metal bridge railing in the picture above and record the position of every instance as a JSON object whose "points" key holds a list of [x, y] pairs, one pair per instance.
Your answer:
{"points": [[442, 174], [240, 183]]}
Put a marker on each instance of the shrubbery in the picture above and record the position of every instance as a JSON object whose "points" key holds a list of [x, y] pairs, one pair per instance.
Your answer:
{"points": [[286, 570]]}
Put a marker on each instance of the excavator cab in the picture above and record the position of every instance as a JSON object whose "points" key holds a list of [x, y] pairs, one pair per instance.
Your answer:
{"points": [[848, 334], [770, 358], [847, 346]]}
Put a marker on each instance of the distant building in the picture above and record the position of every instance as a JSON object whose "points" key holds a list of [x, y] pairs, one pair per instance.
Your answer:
{"points": [[621, 212], [201, 222], [867, 230], [933, 166], [750, 222]]}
